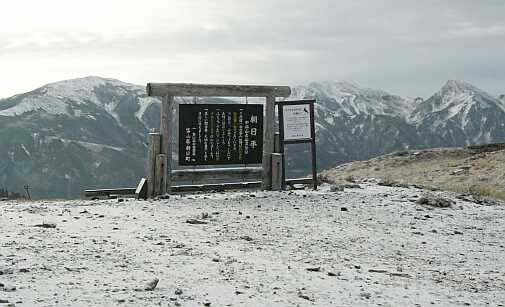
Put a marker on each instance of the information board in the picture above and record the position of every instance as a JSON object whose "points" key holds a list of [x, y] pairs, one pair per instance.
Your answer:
{"points": [[220, 134], [296, 119]]}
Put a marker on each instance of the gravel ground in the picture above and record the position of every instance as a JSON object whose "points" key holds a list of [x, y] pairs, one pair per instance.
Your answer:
{"points": [[361, 247]]}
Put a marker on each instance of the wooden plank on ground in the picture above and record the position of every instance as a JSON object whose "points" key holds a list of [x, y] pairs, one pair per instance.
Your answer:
{"points": [[107, 192], [141, 190], [216, 186]]}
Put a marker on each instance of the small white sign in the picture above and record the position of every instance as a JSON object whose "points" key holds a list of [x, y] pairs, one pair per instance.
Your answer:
{"points": [[296, 122]]}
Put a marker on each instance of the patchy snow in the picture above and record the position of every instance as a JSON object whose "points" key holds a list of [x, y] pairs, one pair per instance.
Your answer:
{"points": [[25, 150], [351, 99], [274, 249], [94, 147], [144, 103], [54, 98], [42, 103]]}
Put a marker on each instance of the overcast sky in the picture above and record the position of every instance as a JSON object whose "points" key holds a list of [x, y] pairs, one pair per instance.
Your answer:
{"points": [[406, 47]]}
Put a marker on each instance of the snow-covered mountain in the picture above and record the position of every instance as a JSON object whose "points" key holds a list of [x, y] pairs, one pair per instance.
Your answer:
{"points": [[64, 136], [344, 98], [91, 132], [460, 114]]}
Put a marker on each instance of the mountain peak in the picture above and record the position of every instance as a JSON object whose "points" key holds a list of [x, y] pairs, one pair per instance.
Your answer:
{"points": [[458, 86]]}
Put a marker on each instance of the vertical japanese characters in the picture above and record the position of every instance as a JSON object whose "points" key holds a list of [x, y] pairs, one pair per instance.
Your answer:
{"points": [[220, 134]]}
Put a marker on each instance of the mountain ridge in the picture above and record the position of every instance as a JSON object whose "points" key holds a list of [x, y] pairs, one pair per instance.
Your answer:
{"points": [[91, 132]]}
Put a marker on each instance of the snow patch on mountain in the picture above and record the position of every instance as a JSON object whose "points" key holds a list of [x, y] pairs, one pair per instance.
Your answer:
{"points": [[347, 98], [60, 98]]}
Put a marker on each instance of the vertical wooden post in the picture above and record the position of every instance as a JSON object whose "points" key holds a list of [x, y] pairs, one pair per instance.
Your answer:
{"points": [[277, 143], [160, 187], [152, 151], [166, 120], [313, 146], [276, 171], [268, 142]]}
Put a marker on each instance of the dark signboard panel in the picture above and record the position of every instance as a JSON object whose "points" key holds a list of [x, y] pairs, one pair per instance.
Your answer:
{"points": [[212, 134]]}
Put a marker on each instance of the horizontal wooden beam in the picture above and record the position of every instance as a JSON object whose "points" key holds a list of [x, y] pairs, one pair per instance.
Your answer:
{"points": [[307, 180], [216, 186], [213, 90], [107, 192], [209, 174]]}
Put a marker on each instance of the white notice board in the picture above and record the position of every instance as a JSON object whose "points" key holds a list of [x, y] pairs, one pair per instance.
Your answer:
{"points": [[296, 120]]}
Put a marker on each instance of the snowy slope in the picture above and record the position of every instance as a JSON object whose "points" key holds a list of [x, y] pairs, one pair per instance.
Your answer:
{"points": [[348, 98], [461, 114], [69, 97]]}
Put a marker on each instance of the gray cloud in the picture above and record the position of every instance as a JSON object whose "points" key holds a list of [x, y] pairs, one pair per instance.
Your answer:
{"points": [[404, 46]]}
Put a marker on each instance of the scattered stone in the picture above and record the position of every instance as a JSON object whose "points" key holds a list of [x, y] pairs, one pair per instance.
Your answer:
{"points": [[357, 267], [178, 291], [343, 209], [377, 271], [216, 259], [460, 171], [46, 225], [336, 188], [333, 274], [435, 201], [121, 300], [305, 296], [9, 288], [120, 200], [196, 222], [247, 238], [314, 269], [366, 295], [205, 215], [457, 232], [151, 285], [206, 304], [2, 301], [6, 271], [24, 270]]}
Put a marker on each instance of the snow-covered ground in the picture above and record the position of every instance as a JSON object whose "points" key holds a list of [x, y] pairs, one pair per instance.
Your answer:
{"points": [[361, 247]]}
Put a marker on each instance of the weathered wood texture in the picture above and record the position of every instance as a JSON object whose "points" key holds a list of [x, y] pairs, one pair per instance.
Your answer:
{"points": [[277, 142], [307, 180], [209, 174], [276, 172], [166, 129], [206, 90], [268, 142], [152, 151], [216, 186], [160, 186]]}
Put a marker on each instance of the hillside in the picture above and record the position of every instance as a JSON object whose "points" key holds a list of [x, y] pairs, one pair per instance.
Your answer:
{"points": [[476, 170]]}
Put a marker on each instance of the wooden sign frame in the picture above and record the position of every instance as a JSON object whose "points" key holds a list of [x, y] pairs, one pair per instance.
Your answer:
{"points": [[311, 140], [160, 173]]}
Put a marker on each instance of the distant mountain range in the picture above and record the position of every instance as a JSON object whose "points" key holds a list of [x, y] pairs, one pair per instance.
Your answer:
{"points": [[91, 132]]}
